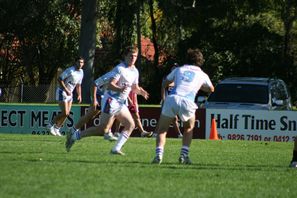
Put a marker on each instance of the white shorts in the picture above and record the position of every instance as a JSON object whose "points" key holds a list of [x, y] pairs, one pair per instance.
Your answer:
{"points": [[180, 106], [62, 96], [112, 106]]}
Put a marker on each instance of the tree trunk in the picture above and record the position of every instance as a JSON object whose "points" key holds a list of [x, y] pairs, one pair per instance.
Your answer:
{"points": [[138, 27], [124, 27], [289, 15], [87, 45], [154, 31]]}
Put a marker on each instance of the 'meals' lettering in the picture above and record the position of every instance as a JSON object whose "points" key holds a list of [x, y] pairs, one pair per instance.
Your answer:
{"points": [[40, 117]]}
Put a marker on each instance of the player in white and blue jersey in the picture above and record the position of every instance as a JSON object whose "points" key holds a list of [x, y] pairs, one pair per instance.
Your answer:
{"points": [[69, 79], [188, 80], [113, 105], [97, 92]]}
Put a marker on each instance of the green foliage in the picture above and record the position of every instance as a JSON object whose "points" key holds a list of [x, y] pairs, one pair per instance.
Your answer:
{"points": [[39, 166], [45, 33], [238, 38]]}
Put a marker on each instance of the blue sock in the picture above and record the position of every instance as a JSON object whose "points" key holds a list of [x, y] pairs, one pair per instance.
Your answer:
{"points": [[184, 151], [159, 152]]}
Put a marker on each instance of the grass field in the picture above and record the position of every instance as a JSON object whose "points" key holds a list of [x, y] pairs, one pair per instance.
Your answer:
{"points": [[38, 166]]}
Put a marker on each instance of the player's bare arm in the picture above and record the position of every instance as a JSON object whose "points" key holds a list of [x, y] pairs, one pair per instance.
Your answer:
{"points": [[165, 84], [94, 92], [112, 85], [140, 91], [63, 86], [78, 91], [207, 88]]}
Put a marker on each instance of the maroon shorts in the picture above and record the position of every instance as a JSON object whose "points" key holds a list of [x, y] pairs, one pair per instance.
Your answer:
{"points": [[132, 109]]}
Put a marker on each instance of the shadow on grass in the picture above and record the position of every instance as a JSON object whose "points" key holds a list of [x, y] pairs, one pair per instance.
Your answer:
{"points": [[126, 161], [114, 161]]}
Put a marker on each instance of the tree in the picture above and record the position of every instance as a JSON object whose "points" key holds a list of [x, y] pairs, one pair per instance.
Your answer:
{"points": [[288, 10], [154, 32], [238, 38], [124, 24], [44, 35], [87, 44]]}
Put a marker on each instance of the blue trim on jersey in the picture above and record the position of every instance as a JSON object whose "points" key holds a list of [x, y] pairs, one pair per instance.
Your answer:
{"points": [[170, 90], [99, 92], [114, 95], [125, 64], [106, 108], [60, 94]]}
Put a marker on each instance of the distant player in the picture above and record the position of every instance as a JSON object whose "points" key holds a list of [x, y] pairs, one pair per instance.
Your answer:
{"points": [[188, 80], [69, 79]]}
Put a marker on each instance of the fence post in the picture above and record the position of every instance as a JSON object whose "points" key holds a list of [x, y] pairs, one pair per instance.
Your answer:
{"points": [[22, 92]]}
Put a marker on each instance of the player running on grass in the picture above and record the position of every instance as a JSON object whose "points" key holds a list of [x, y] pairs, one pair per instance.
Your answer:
{"points": [[168, 91], [188, 80], [70, 79], [114, 105], [97, 91]]}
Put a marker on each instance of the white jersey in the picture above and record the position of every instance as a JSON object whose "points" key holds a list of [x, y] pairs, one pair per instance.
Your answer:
{"points": [[188, 79], [126, 76], [103, 80], [72, 77]]}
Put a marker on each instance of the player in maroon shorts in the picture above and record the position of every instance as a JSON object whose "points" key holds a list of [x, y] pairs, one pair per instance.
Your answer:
{"points": [[134, 110]]}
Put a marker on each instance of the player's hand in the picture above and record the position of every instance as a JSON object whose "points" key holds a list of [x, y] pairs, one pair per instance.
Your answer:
{"points": [[68, 92], [79, 99], [95, 104], [132, 108], [161, 102], [123, 89], [145, 94]]}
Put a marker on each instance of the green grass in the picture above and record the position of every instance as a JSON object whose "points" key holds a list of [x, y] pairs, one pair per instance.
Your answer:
{"points": [[38, 166]]}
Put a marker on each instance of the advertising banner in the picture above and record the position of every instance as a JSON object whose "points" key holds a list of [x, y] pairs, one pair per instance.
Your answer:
{"points": [[149, 118], [253, 125], [33, 119]]}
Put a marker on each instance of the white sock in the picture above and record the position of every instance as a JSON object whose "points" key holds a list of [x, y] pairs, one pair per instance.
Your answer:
{"points": [[159, 152], [122, 139], [57, 129]]}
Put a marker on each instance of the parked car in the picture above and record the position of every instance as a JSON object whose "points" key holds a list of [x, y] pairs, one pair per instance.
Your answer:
{"points": [[250, 93]]}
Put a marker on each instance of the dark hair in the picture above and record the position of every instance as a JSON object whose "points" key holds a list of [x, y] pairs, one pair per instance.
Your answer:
{"points": [[130, 49], [79, 58], [195, 57]]}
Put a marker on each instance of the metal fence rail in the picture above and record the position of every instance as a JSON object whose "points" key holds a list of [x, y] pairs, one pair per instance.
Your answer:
{"points": [[27, 94]]}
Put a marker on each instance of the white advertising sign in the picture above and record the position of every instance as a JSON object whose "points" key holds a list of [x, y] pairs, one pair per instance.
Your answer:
{"points": [[253, 125]]}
